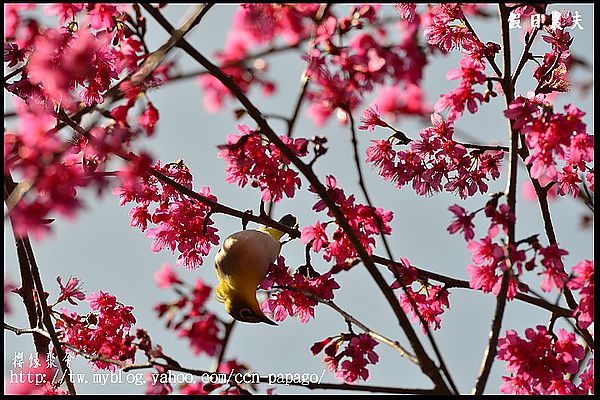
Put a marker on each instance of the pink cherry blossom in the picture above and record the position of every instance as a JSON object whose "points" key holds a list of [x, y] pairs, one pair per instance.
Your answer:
{"points": [[351, 363], [104, 332], [70, 290], [539, 363], [583, 281], [463, 222], [430, 305], [250, 160], [295, 301], [166, 277]]}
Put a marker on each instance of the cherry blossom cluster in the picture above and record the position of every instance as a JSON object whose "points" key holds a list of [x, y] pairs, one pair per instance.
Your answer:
{"points": [[54, 169], [35, 152], [253, 159], [367, 223], [350, 364], [541, 363], [429, 299], [583, 281], [255, 25], [89, 52], [105, 331], [295, 295], [433, 163], [552, 136], [59, 68], [447, 31], [182, 224], [342, 75], [187, 315], [552, 74], [492, 259]]}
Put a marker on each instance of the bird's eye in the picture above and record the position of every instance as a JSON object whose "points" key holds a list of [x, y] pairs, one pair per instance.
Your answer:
{"points": [[246, 313]]}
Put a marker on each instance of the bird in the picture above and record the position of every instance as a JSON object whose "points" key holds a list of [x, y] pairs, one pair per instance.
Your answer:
{"points": [[242, 263]]}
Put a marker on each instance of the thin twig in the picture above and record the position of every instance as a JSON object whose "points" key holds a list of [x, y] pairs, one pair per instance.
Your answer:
{"points": [[489, 58], [226, 338], [525, 56], [349, 318]]}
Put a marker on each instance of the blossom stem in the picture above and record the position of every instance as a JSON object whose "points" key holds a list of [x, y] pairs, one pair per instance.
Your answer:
{"points": [[525, 56]]}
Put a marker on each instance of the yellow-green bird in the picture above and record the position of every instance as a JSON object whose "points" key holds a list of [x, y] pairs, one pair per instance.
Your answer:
{"points": [[242, 263]]}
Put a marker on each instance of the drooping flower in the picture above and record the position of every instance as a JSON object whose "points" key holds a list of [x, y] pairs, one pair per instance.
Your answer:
{"points": [[463, 222], [70, 290]]}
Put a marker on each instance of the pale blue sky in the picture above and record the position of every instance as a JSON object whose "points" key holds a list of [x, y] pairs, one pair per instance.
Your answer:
{"points": [[102, 250]]}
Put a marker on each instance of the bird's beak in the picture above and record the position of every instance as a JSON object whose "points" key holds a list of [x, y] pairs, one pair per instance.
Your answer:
{"points": [[267, 321]]}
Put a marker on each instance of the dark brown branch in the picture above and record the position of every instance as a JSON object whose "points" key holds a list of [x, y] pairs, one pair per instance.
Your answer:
{"points": [[427, 365], [216, 208], [26, 256], [46, 319], [511, 193], [449, 283], [26, 290], [156, 57], [12, 75]]}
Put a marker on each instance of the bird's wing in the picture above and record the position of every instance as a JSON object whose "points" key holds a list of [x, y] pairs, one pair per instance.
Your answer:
{"points": [[246, 254]]}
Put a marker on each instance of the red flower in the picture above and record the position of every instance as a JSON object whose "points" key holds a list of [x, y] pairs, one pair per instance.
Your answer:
{"points": [[149, 118], [166, 277], [70, 290], [463, 222]]}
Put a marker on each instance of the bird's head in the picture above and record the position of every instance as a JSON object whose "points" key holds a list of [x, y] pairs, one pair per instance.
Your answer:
{"points": [[246, 309]]}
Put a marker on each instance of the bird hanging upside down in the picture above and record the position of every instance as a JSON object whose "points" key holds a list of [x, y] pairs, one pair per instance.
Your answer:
{"points": [[242, 263]]}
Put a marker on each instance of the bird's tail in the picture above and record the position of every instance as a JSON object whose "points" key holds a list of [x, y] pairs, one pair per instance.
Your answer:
{"points": [[287, 220]]}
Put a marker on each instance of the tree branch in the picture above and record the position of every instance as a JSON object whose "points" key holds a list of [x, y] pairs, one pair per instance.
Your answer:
{"points": [[26, 291], [427, 365], [511, 193]]}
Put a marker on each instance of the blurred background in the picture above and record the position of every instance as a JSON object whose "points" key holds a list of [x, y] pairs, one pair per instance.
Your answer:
{"points": [[105, 253]]}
